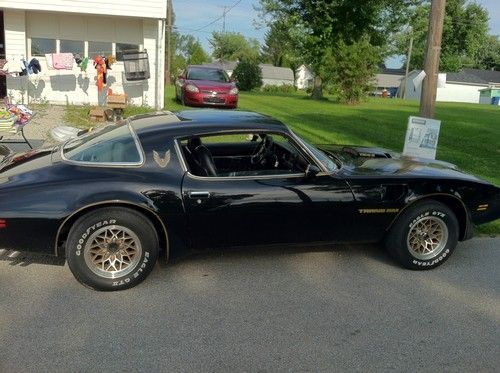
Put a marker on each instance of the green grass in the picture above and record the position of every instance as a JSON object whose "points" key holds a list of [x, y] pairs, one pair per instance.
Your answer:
{"points": [[79, 116], [469, 138]]}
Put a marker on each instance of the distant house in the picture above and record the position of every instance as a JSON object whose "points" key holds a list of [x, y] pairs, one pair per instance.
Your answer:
{"points": [[388, 79], [304, 78], [271, 75], [463, 86], [228, 66]]}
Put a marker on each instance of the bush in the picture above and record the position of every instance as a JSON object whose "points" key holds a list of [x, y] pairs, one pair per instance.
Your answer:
{"points": [[284, 88], [248, 75]]}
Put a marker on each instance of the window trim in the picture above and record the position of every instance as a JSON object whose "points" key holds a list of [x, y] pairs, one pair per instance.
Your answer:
{"points": [[305, 152], [138, 164], [85, 47]]}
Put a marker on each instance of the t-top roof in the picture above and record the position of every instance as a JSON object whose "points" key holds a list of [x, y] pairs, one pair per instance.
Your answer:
{"points": [[202, 119]]}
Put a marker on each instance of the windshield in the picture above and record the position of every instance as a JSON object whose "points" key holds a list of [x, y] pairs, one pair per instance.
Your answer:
{"points": [[208, 74], [113, 144], [326, 160]]}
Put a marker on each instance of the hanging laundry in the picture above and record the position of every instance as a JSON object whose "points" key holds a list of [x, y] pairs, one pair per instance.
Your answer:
{"points": [[48, 60], [62, 61], [34, 66], [4, 67], [110, 60], [84, 64], [23, 67], [100, 66], [78, 59]]}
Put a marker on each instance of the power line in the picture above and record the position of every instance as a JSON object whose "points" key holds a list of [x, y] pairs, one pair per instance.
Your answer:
{"points": [[223, 16]]}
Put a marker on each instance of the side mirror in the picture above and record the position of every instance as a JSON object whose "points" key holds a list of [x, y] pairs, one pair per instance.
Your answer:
{"points": [[232, 80], [312, 170]]}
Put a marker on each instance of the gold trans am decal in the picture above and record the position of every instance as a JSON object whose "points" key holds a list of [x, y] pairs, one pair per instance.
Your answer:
{"points": [[162, 161], [378, 211]]}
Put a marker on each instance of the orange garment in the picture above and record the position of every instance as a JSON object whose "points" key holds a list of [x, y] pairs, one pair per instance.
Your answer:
{"points": [[100, 66]]}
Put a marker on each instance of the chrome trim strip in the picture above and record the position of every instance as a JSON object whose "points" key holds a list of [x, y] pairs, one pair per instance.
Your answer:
{"points": [[256, 177], [138, 145], [118, 203], [301, 143]]}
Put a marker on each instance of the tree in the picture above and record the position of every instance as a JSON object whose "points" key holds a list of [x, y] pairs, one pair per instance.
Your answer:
{"points": [[465, 32], [351, 69], [186, 50], [319, 26], [488, 56], [279, 49], [233, 46], [248, 75]]}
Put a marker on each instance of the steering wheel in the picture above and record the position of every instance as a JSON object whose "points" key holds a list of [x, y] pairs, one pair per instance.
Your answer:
{"points": [[263, 151]]}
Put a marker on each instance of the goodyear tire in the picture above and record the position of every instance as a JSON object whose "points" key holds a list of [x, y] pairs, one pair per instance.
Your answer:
{"points": [[112, 249], [424, 236]]}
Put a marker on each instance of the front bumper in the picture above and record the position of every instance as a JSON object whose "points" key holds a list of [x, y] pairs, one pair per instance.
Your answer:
{"points": [[209, 99]]}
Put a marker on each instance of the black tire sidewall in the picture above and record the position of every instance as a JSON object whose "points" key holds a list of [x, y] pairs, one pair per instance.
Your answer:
{"points": [[397, 244], [82, 230]]}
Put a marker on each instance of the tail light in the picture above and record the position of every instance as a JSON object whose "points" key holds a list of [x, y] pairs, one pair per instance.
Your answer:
{"points": [[3, 223]]}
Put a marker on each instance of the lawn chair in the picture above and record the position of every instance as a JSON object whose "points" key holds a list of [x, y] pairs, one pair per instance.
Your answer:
{"points": [[12, 122]]}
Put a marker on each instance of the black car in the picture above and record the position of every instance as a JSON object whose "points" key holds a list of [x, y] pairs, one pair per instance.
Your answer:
{"points": [[115, 200]]}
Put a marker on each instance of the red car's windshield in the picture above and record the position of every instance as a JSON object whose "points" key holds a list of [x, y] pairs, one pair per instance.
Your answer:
{"points": [[208, 74]]}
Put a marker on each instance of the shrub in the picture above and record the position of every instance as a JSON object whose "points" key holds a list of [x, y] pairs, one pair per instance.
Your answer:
{"points": [[248, 75], [284, 88]]}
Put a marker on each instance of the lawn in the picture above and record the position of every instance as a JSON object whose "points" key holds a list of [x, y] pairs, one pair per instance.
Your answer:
{"points": [[469, 138]]}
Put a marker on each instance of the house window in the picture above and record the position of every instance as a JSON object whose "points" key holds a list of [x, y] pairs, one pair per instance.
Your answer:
{"points": [[123, 48], [72, 46], [42, 46], [100, 48]]}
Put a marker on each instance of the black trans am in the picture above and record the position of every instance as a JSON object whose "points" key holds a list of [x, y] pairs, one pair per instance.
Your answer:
{"points": [[115, 200]]}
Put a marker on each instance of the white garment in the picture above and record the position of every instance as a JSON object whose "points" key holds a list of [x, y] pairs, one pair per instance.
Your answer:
{"points": [[48, 60]]}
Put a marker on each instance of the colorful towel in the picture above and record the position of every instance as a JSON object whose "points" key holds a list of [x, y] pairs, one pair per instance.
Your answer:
{"points": [[62, 61]]}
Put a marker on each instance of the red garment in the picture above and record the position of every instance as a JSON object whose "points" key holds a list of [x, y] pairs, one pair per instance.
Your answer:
{"points": [[100, 66]]}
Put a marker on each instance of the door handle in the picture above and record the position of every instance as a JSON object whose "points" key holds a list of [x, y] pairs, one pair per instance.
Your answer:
{"points": [[198, 194]]}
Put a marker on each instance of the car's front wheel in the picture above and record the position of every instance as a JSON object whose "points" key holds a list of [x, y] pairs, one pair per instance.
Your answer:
{"points": [[424, 236], [112, 249]]}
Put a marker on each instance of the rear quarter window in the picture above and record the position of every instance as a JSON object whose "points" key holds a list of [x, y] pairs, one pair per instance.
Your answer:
{"points": [[112, 145]]}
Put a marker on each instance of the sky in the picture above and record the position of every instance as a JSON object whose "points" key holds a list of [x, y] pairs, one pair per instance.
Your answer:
{"points": [[191, 17]]}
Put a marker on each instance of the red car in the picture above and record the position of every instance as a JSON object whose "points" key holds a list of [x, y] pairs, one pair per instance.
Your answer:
{"points": [[206, 86]]}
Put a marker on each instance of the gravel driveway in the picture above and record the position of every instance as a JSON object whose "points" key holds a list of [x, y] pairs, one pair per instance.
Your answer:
{"points": [[38, 130]]}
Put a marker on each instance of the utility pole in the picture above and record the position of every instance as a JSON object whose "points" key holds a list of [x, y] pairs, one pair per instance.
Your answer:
{"points": [[431, 65], [408, 58], [224, 12], [168, 67]]}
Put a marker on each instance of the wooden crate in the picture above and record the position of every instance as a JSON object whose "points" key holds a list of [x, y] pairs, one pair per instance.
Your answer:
{"points": [[97, 115], [117, 101]]}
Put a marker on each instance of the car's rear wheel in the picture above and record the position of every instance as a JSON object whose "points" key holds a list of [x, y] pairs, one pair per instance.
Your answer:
{"points": [[424, 236], [112, 248]]}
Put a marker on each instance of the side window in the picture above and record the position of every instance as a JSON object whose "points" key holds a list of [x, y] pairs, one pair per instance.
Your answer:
{"points": [[112, 144], [242, 154]]}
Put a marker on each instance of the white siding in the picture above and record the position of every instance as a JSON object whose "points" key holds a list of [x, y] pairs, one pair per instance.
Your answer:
{"points": [[73, 86], [452, 92], [277, 82], [15, 33], [132, 8]]}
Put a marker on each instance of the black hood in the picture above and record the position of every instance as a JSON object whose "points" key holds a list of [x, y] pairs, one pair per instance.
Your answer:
{"points": [[367, 161]]}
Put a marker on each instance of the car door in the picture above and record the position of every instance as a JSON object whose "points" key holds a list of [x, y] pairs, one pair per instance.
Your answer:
{"points": [[267, 209]]}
